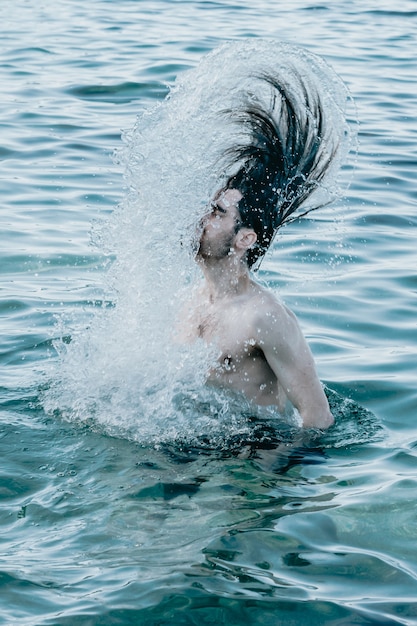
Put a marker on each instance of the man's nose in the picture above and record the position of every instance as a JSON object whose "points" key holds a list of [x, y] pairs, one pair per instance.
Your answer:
{"points": [[204, 220]]}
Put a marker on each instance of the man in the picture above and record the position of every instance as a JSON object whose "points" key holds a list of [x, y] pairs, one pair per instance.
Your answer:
{"points": [[284, 153]]}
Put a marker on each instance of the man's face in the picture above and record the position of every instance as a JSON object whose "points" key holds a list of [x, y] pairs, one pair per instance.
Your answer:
{"points": [[220, 225]]}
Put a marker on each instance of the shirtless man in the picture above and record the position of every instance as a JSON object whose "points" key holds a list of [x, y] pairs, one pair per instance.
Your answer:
{"points": [[263, 352], [284, 152]]}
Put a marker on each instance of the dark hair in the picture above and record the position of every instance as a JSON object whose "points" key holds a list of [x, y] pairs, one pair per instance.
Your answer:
{"points": [[285, 152]]}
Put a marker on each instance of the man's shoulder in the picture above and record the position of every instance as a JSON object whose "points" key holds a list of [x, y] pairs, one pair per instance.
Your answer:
{"points": [[267, 304], [271, 316]]}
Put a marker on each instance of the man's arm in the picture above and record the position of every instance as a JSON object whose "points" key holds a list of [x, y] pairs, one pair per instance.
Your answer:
{"points": [[286, 350]]}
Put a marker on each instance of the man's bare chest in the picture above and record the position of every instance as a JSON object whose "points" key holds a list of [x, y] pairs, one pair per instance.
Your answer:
{"points": [[230, 330]]}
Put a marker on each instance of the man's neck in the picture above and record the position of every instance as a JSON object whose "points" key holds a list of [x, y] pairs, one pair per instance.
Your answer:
{"points": [[225, 278]]}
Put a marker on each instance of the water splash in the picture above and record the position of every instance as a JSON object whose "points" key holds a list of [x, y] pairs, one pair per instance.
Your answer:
{"points": [[125, 372]]}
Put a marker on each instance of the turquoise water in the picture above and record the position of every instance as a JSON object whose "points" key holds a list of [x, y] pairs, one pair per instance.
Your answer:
{"points": [[116, 508]]}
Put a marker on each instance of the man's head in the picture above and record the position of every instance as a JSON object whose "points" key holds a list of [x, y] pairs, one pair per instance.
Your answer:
{"points": [[222, 232]]}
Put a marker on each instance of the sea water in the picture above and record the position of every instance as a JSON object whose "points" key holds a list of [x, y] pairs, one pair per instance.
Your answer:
{"points": [[129, 494]]}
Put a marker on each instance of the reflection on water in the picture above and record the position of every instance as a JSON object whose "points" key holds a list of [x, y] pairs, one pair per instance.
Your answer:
{"points": [[189, 528]]}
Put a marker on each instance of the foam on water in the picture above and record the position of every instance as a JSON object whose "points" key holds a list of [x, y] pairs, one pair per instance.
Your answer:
{"points": [[125, 372]]}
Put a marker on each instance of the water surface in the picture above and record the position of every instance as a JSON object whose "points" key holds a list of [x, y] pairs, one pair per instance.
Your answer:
{"points": [[237, 526]]}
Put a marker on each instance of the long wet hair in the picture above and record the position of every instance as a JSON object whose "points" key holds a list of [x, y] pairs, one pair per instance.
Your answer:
{"points": [[284, 152]]}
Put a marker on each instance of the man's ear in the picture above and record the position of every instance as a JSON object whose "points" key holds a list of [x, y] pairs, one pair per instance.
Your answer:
{"points": [[245, 238]]}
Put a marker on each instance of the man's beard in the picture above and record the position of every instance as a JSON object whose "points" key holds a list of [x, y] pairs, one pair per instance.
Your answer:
{"points": [[216, 250]]}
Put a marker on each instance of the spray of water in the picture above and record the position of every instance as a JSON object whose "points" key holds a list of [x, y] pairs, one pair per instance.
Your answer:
{"points": [[126, 372]]}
